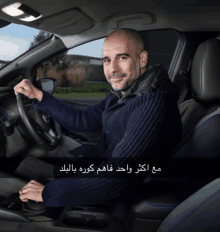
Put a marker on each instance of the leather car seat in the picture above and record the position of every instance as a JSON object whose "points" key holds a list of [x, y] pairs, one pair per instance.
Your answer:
{"points": [[201, 139], [197, 213], [200, 115]]}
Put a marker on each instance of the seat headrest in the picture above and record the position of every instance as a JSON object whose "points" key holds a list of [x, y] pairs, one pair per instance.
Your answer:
{"points": [[205, 72]]}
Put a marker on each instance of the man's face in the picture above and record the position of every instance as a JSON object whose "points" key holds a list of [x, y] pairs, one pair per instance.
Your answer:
{"points": [[121, 67]]}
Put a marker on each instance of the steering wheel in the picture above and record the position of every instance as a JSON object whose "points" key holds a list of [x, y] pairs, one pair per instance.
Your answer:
{"points": [[41, 129]]}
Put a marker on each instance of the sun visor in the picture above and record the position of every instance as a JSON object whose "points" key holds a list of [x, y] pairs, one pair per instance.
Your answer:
{"points": [[66, 23], [135, 21]]}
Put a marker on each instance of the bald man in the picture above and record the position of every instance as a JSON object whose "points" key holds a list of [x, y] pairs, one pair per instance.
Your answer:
{"points": [[138, 119]]}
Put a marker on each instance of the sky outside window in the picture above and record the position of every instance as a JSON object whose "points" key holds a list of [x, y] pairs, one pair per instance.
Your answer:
{"points": [[93, 48], [15, 40]]}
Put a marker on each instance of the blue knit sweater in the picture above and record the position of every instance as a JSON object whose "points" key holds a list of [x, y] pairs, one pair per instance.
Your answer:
{"points": [[145, 122]]}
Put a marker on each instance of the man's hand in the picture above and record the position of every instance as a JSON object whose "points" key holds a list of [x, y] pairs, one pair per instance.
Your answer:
{"points": [[33, 191], [27, 88]]}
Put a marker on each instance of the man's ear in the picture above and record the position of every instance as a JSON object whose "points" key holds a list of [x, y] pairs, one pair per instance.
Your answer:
{"points": [[143, 59]]}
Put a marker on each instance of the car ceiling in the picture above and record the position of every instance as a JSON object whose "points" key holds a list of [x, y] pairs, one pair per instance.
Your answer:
{"points": [[66, 18]]}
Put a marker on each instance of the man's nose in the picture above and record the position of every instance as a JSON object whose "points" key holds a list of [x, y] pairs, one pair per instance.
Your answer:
{"points": [[114, 67]]}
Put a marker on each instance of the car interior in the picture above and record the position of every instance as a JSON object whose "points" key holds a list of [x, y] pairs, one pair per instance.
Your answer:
{"points": [[184, 37]]}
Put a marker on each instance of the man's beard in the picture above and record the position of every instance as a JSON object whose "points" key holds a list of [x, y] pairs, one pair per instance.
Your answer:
{"points": [[124, 88], [128, 83]]}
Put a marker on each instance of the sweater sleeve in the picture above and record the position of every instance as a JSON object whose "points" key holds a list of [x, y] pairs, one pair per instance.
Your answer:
{"points": [[71, 118], [144, 134]]}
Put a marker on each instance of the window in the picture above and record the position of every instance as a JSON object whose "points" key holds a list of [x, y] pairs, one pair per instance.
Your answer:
{"points": [[79, 71], [16, 39]]}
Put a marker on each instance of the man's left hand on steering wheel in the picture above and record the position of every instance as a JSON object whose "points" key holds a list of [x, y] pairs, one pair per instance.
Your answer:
{"points": [[28, 89], [44, 136]]}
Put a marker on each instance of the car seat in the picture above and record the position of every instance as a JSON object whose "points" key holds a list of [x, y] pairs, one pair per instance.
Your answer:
{"points": [[201, 141]]}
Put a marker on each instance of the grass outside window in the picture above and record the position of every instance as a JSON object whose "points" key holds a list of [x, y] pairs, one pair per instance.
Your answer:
{"points": [[89, 89]]}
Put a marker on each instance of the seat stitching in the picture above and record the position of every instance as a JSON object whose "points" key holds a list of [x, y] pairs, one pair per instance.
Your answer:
{"points": [[159, 205], [155, 204]]}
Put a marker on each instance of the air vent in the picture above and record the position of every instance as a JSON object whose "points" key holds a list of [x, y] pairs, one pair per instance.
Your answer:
{"points": [[29, 107]]}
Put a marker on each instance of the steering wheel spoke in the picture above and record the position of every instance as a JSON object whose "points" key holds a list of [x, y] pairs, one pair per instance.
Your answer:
{"points": [[50, 135], [46, 135]]}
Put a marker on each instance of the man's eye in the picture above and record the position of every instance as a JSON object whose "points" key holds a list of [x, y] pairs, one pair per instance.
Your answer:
{"points": [[105, 61], [124, 58]]}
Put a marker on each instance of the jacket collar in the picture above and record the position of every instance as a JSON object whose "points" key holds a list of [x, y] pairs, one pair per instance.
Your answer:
{"points": [[155, 79]]}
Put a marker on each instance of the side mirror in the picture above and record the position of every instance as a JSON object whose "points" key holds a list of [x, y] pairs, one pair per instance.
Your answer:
{"points": [[47, 84]]}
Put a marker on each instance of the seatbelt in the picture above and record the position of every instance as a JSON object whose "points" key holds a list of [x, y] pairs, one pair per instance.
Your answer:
{"points": [[185, 75]]}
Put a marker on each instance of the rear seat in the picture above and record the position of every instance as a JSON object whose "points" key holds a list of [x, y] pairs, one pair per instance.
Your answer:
{"points": [[201, 139]]}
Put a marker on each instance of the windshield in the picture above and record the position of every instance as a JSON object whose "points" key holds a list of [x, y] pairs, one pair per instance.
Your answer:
{"points": [[16, 39]]}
